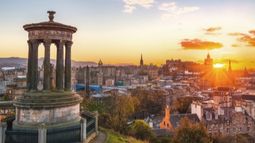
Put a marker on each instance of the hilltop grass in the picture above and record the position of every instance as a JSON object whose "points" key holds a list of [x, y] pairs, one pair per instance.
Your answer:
{"points": [[114, 137]]}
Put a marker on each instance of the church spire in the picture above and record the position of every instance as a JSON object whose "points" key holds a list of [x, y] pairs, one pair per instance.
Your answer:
{"points": [[100, 63], [141, 60], [229, 66], [208, 55]]}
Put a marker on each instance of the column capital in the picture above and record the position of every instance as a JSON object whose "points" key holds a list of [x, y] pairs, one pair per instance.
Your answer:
{"points": [[34, 42], [68, 43], [60, 43], [47, 42]]}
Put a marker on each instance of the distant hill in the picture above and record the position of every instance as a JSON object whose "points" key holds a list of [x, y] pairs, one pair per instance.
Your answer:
{"points": [[13, 62], [22, 62]]}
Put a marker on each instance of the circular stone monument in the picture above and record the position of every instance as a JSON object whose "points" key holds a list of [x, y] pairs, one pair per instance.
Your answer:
{"points": [[54, 106]]}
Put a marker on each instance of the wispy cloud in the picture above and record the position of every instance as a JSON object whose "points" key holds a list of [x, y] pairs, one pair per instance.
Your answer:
{"points": [[130, 5], [246, 38], [212, 30], [197, 44], [171, 10]]}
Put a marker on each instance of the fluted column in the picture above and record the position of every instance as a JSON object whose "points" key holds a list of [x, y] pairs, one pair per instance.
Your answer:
{"points": [[68, 66], [34, 65], [60, 65], [46, 77], [29, 65]]}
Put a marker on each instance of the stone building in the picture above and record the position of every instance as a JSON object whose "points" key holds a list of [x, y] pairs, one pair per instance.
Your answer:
{"points": [[100, 74], [208, 61], [9, 76], [172, 121], [236, 123], [223, 114], [17, 88]]}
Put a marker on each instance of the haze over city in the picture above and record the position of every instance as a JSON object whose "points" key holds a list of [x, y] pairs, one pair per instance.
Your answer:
{"points": [[118, 31]]}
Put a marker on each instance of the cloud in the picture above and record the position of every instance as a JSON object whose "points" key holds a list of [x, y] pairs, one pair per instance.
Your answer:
{"points": [[248, 39], [212, 30], [130, 5], [197, 44], [252, 32], [236, 45], [171, 10], [236, 34]]}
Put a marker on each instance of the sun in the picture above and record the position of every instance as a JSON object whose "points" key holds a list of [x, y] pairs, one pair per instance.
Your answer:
{"points": [[218, 65]]}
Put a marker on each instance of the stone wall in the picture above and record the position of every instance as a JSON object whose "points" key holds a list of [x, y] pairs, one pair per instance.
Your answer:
{"points": [[54, 115]]}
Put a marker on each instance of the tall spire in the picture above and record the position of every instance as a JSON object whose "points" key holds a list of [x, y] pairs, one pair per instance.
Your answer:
{"points": [[229, 66], [100, 63], [246, 73], [208, 55], [141, 60]]}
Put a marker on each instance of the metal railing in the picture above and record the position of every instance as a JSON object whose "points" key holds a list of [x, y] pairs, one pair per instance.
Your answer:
{"points": [[53, 135]]}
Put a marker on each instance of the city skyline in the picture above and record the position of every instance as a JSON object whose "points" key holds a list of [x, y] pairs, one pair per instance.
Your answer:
{"points": [[119, 31]]}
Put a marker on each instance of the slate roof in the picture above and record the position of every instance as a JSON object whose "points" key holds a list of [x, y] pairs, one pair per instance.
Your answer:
{"points": [[176, 118], [248, 97]]}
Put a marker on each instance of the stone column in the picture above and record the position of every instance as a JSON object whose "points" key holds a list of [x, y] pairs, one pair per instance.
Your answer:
{"points": [[60, 65], [83, 130], [29, 65], [68, 66], [34, 64], [47, 74], [42, 134], [3, 127]]}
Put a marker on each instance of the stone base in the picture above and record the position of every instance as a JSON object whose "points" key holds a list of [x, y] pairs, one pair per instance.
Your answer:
{"points": [[47, 99], [56, 111], [65, 133], [48, 108], [51, 116]]}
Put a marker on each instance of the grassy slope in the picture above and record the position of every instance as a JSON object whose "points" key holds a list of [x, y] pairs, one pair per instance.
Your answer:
{"points": [[113, 137]]}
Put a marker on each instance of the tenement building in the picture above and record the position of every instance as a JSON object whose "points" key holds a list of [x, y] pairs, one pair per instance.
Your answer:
{"points": [[221, 116]]}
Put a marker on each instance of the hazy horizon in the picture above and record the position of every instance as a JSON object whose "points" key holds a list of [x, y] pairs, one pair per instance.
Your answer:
{"points": [[118, 31]]}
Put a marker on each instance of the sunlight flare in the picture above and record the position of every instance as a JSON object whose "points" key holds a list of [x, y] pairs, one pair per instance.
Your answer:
{"points": [[218, 65]]}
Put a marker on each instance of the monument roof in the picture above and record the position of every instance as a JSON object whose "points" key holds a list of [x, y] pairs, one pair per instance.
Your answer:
{"points": [[50, 25]]}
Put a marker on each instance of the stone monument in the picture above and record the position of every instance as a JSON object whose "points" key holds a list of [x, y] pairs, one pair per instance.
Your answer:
{"points": [[54, 107]]}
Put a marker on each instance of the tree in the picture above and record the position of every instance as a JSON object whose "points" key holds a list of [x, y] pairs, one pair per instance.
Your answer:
{"points": [[239, 138], [182, 104], [114, 110], [141, 130], [153, 101], [119, 109], [191, 133], [91, 104], [166, 139]]}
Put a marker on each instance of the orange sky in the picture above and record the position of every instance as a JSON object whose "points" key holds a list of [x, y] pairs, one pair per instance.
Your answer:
{"points": [[118, 32]]}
